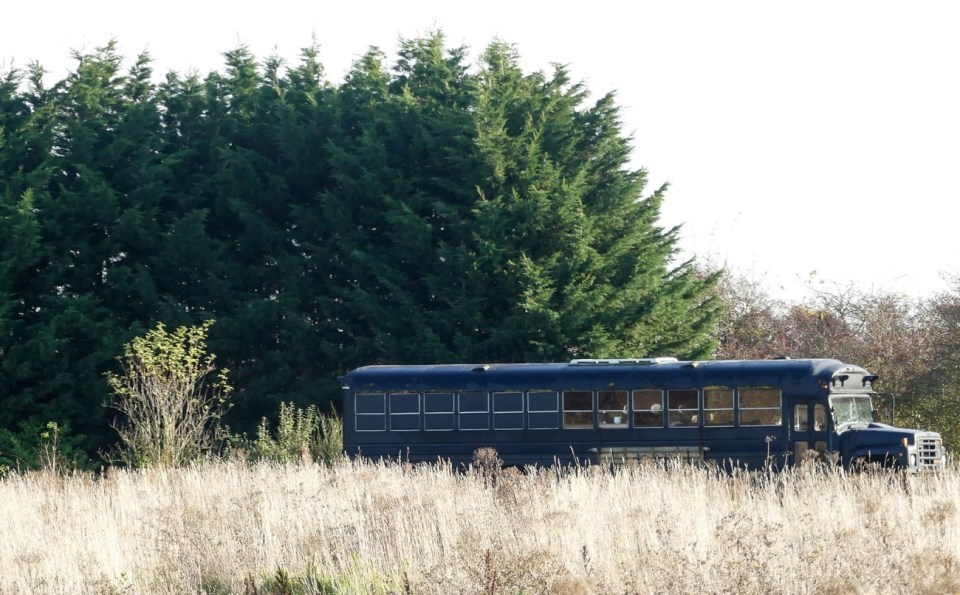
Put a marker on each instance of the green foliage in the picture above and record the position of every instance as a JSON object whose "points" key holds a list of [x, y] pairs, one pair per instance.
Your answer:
{"points": [[15, 454], [579, 266], [300, 435], [294, 434], [51, 454], [170, 410], [49, 446], [355, 578], [492, 216], [933, 400], [424, 210]]}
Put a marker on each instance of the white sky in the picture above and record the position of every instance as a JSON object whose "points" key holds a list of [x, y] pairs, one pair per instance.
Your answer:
{"points": [[804, 142]]}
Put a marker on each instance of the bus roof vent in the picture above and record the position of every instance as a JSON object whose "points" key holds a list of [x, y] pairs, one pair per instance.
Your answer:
{"points": [[647, 361]]}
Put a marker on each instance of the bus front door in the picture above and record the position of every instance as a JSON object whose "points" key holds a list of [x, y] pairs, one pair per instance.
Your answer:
{"points": [[809, 433]]}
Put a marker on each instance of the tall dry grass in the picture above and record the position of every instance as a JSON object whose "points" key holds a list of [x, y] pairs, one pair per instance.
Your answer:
{"points": [[374, 528]]}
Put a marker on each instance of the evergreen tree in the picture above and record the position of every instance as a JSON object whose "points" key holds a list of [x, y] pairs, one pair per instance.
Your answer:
{"points": [[581, 268], [62, 332], [492, 216]]}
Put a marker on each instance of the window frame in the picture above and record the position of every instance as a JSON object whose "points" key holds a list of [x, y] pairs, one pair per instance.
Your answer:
{"points": [[578, 413], [357, 415], [511, 412], [405, 415], [533, 414], [471, 413], [612, 414], [692, 413], [778, 410], [656, 409], [428, 415], [707, 411]]}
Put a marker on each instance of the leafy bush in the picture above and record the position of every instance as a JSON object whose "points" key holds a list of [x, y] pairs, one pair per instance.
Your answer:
{"points": [[301, 435], [50, 446], [171, 412]]}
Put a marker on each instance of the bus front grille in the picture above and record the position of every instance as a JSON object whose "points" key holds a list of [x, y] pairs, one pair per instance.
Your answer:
{"points": [[928, 452]]}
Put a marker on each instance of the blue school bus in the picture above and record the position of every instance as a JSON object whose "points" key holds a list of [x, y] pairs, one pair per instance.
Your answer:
{"points": [[748, 413]]}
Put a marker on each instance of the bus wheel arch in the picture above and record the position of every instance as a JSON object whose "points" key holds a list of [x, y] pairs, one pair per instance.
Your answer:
{"points": [[873, 464]]}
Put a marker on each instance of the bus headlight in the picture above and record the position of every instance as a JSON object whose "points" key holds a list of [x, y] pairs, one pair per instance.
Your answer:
{"points": [[913, 460]]}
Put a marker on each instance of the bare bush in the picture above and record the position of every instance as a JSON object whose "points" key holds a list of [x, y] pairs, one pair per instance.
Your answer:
{"points": [[910, 344]]}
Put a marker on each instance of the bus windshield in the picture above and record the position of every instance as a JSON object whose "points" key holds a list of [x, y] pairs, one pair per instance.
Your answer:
{"points": [[851, 410]]}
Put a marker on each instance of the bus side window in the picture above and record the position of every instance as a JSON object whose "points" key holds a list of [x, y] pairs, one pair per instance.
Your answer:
{"points": [[371, 412], [438, 412], [508, 411], [819, 418], [577, 409], [543, 410], [760, 406], [474, 410], [647, 409], [612, 405], [684, 407], [800, 417], [718, 406], [404, 412]]}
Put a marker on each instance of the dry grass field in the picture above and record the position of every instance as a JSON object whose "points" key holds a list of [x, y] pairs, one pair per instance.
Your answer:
{"points": [[234, 527]]}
